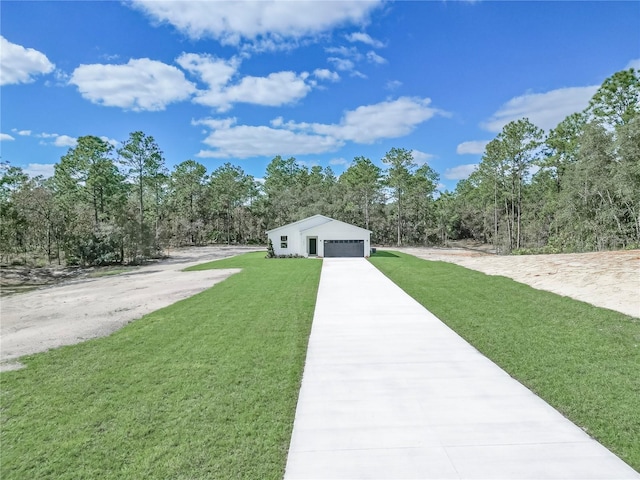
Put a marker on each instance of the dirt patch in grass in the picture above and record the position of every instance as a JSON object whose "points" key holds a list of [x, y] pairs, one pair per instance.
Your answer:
{"points": [[604, 279], [72, 308]]}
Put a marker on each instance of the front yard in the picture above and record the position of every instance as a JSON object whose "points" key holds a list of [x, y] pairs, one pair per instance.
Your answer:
{"points": [[205, 388]]}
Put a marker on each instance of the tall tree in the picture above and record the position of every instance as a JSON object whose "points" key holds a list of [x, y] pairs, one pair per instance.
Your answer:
{"points": [[12, 222], [617, 101], [491, 182], [589, 212], [144, 161], [44, 223], [420, 192], [520, 143], [562, 146], [90, 191], [188, 194], [363, 180], [284, 184], [398, 176], [626, 178], [87, 174], [231, 189]]}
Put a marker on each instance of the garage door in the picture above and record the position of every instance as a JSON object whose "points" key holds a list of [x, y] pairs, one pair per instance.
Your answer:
{"points": [[344, 248]]}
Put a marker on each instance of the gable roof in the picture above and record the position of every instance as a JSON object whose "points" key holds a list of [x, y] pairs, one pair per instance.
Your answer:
{"points": [[312, 222]]}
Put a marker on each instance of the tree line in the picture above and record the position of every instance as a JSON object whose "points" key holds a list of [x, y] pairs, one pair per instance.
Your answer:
{"points": [[575, 189]]}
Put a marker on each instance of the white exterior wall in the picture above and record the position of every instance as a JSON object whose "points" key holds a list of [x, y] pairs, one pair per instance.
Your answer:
{"points": [[337, 231], [293, 240]]}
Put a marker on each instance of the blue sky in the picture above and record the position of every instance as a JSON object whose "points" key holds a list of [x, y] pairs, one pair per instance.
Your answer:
{"points": [[322, 81]]}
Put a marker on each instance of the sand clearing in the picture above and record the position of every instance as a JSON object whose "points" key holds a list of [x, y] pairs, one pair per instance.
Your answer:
{"points": [[605, 279], [80, 309]]}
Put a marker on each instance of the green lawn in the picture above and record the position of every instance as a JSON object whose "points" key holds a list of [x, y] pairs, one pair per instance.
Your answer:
{"points": [[205, 388], [583, 360]]}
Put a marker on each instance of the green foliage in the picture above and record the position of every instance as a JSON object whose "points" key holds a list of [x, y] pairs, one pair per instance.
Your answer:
{"points": [[205, 388], [144, 162], [230, 189], [187, 202], [584, 194], [362, 183], [12, 221], [578, 189], [270, 251], [412, 190], [617, 101], [581, 359], [87, 181]]}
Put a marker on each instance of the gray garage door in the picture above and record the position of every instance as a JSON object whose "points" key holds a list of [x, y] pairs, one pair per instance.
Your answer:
{"points": [[344, 248]]}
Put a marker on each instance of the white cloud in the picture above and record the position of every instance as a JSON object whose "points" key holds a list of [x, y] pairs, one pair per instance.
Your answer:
{"points": [[365, 124], [460, 172], [19, 64], [216, 123], [421, 157], [141, 84], [56, 139], [635, 63], [370, 123], [342, 64], [277, 122], [45, 170], [4, 137], [373, 57], [275, 89], [214, 71], [278, 88], [110, 141], [244, 141], [475, 147], [348, 52], [24, 133], [364, 38], [393, 84], [65, 141], [544, 110], [326, 74], [338, 161], [267, 23], [349, 57]]}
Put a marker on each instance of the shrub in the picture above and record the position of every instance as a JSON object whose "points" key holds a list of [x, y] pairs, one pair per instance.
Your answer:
{"points": [[270, 252]]}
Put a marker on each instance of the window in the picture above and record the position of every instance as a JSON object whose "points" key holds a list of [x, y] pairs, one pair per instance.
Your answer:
{"points": [[283, 241]]}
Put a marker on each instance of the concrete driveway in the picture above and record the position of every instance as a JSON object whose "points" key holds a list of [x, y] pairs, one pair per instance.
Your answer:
{"points": [[390, 392]]}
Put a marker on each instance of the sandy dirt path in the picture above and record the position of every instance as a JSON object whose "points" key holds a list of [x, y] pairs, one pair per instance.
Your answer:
{"points": [[80, 309], [604, 279]]}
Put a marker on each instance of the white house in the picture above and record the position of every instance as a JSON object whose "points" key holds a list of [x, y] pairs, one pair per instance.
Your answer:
{"points": [[322, 237]]}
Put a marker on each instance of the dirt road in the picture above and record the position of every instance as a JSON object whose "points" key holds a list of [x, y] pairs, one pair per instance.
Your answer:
{"points": [[80, 309], [605, 279]]}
